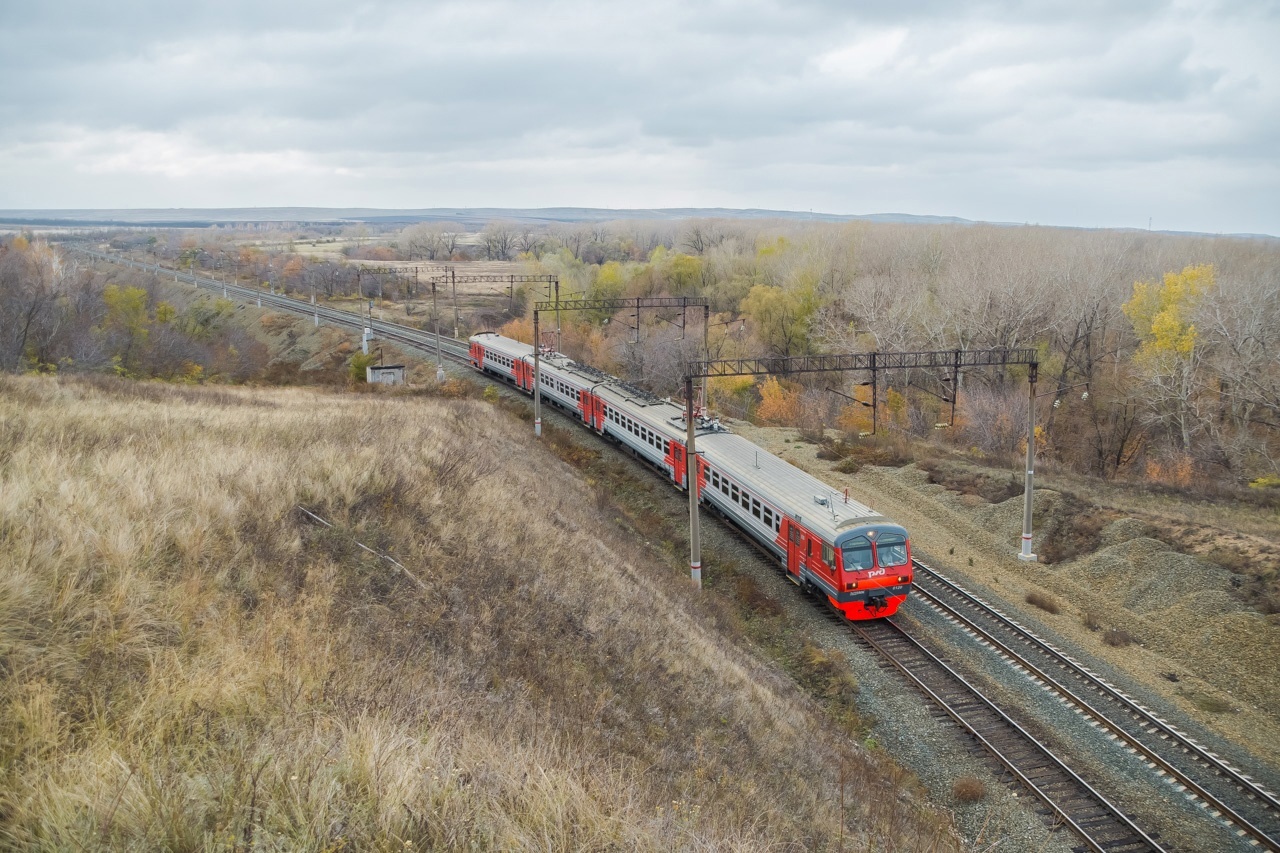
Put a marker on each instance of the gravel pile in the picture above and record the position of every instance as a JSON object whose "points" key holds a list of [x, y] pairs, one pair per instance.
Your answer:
{"points": [[1122, 530], [1149, 577]]}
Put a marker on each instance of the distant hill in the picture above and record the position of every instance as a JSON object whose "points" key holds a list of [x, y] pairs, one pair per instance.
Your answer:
{"points": [[198, 217]]}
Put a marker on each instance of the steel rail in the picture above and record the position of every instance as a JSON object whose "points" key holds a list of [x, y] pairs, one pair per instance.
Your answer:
{"points": [[1145, 719], [1102, 818]]}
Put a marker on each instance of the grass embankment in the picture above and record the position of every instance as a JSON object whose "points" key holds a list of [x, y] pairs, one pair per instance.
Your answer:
{"points": [[189, 663]]}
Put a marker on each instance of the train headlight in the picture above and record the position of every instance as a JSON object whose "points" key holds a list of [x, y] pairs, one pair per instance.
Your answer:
{"points": [[850, 586], [904, 578]]}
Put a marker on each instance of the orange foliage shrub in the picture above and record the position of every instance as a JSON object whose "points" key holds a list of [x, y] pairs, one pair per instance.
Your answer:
{"points": [[520, 329], [779, 403], [854, 419], [1178, 470]]}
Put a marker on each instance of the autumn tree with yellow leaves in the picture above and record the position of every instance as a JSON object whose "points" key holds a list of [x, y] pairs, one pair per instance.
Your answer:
{"points": [[1168, 357]]}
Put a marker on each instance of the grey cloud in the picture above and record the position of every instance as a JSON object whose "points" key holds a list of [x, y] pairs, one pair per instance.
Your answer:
{"points": [[440, 94]]}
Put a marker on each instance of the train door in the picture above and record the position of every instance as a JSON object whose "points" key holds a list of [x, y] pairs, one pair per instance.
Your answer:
{"points": [[677, 461], [523, 371], [795, 542], [586, 405]]}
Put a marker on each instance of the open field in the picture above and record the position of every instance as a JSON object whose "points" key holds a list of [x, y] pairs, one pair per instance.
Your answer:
{"points": [[191, 663]]}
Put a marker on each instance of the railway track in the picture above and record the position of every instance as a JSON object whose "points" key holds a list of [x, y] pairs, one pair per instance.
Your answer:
{"points": [[417, 339], [1067, 799], [1247, 807]]}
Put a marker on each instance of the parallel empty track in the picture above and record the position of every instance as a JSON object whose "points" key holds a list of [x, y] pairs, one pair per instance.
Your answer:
{"points": [[1228, 793], [1072, 802]]}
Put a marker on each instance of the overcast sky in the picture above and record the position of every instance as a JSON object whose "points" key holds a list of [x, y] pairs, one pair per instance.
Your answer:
{"points": [[1063, 112]]}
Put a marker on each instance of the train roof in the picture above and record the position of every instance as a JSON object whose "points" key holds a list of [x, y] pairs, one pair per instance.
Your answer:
{"points": [[816, 505]]}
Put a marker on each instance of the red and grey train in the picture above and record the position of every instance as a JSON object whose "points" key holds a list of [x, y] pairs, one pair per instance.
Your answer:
{"points": [[857, 558]]}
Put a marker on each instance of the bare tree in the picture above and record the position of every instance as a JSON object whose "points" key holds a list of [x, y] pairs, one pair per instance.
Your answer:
{"points": [[701, 235], [498, 240], [530, 242], [29, 277]]}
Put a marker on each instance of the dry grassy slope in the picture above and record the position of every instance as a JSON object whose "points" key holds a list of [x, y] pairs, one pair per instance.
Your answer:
{"points": [[188, 663], [1178, 608]]}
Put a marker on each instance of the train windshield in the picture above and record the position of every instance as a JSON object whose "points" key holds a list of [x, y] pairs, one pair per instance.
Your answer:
{"points": [[892, 550], [857, 554]]}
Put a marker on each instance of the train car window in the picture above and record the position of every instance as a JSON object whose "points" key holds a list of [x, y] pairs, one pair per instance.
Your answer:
{"points": [[857, 554], [795, 534], [768, 517], [724, 485], [755, 508], [891, 551], [828, 554], [734, 493]]}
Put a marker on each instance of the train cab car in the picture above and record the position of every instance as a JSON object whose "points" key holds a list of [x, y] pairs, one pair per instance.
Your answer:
{"points": [[873, 570], [840, 549]]}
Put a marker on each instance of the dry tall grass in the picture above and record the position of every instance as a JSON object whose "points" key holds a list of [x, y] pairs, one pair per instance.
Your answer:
{"points": [[189, 663]]}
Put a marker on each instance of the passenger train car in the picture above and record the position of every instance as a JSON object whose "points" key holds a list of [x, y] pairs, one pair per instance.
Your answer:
{"points": [[855, 557]]}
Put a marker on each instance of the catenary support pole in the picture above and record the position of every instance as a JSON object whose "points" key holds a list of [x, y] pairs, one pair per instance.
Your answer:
{"points": [[439, 357], [691, 479], [537, 380], [1025, 553], [454, 279], [706, 348]]}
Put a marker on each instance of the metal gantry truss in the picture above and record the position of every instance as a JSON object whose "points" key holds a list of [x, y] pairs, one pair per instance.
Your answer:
{"points": [[451, 277], [378, 273], [637, 302], [684, 303], [873, 361]]}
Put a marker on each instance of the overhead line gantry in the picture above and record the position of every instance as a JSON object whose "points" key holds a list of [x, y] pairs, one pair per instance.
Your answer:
{"points": [[637, 302], [953, 360]]}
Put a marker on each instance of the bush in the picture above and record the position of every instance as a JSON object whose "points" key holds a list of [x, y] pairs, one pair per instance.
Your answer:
{"points": [[753, 598], [1117, 638], [1044, 601], [968, 789], [827, 673], [359, 362], [891, 452]]}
